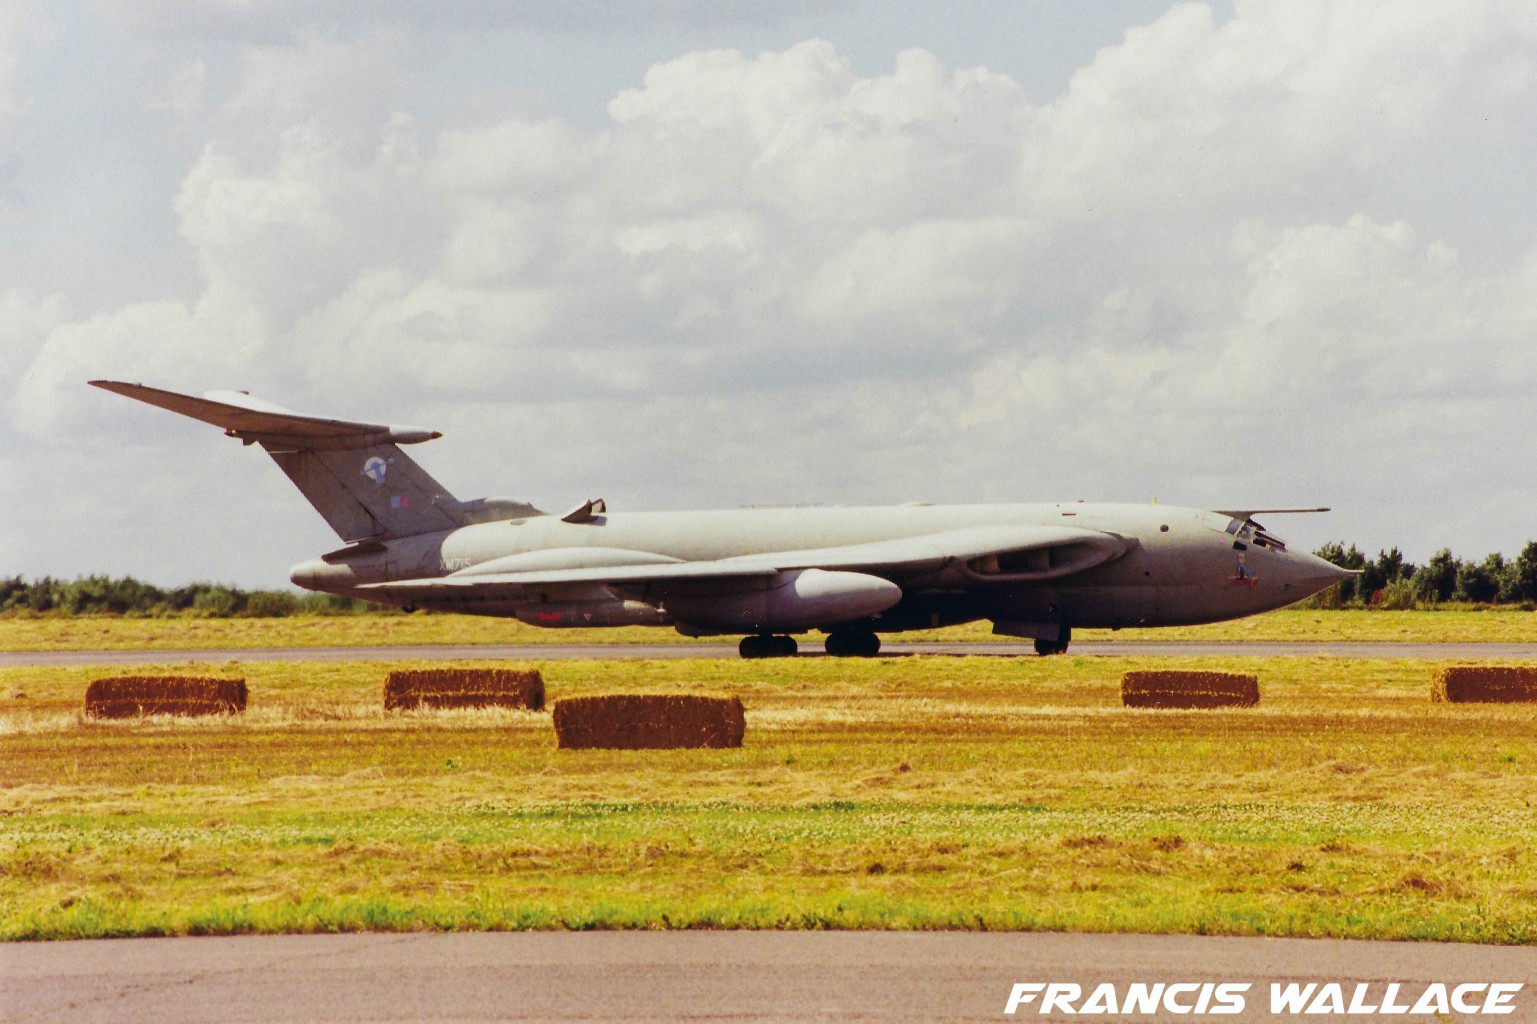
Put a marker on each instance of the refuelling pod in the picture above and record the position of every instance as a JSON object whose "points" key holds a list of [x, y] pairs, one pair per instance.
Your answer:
{"points": [[788, 602], [611, 612], [570, 606]]}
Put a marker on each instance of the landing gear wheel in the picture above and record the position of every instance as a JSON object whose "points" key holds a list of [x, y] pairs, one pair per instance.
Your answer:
{"points": [[1057, 646], [764, 645], [853, 643]]}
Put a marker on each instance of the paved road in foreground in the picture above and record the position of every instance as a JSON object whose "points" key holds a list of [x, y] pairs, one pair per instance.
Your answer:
{"points": [[551, 652], [677, 976]]}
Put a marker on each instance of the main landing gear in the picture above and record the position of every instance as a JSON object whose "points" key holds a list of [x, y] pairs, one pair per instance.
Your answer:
{"points": [[764, 645], [1057, 646], [852, 643], [843, 643]]}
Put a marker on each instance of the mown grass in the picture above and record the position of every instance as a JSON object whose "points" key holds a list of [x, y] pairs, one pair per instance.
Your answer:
{"points": [[1450, 623], [919, 792]]}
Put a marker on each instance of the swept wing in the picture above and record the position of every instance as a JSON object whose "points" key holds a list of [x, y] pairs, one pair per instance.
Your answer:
{"points": [[1004, 553]]}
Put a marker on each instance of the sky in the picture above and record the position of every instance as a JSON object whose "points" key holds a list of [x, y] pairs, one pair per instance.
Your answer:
{"points": [[712, 253]]}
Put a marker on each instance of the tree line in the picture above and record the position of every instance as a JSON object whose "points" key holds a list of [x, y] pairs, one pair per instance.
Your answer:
{"points": [[1389, 581], [104, 595]]}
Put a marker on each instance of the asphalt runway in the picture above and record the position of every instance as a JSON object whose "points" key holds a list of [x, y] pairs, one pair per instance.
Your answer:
{"points": [[698, 976], [555, 652]]}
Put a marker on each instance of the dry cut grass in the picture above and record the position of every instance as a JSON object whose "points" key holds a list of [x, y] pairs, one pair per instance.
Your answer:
{"points": [[917, 792]]}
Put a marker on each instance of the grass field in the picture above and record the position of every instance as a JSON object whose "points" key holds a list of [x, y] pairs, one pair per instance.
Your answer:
{"points": [[924, 792], [101, 633]]}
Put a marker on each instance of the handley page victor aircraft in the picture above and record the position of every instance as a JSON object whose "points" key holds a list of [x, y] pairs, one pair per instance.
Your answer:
{"points": [[1036, 571]]}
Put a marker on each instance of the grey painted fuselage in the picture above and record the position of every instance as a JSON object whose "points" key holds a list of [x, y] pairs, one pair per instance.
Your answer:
{"points": [[765, 573], [1181, 566]]}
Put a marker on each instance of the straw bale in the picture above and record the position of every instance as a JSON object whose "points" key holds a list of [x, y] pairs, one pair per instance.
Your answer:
{"points": [[1171, 689], [623, 721], [131, 696], [464, 688], [1490, 684]]}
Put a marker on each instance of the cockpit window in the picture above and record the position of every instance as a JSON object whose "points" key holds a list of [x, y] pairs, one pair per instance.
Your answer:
{"points": [[1244, 532], [1265, 540]]}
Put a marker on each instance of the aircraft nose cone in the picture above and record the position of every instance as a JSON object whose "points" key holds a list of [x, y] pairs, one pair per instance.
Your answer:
{"points": [[1307, 574]]}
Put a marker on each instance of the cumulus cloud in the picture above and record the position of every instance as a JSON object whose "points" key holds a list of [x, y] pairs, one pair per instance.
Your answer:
{"points": [[343, 89], [1361, 366], [801, 134], [1280, 105], [26, 322], [165, 342], [771, 277], [1327, 315]]}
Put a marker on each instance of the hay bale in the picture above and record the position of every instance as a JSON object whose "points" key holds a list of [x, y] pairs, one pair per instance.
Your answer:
{"points": [[1489, 684], [1170, 689], [626, 721], [464, 688], [132, 696]]}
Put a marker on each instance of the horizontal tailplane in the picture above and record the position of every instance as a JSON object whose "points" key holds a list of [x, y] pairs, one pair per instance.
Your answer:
{"points": [[354, 473]]}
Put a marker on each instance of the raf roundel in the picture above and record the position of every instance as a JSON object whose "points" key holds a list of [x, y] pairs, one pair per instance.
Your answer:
{"points": [[376, 469]]}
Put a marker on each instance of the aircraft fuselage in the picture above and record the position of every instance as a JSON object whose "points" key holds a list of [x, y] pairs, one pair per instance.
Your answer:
{"points": [[1180, 566], [766, 573]]}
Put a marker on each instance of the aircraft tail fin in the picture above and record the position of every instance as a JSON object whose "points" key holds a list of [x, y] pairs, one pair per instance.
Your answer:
{"points": [[369, 493], [354, 473]]}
